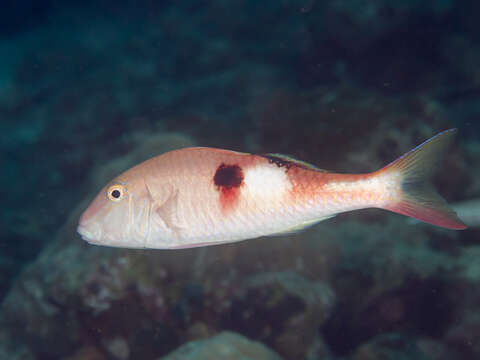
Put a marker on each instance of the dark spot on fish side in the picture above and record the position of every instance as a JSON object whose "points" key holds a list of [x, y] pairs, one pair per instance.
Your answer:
{"points": [[228, 179], [228, 176]]}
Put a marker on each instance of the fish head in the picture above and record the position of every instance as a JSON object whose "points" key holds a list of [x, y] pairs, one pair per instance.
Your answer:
{"points": [[119, 214]]}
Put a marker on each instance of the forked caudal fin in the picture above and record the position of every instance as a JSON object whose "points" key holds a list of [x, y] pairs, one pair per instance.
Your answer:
{"points": [[418, 197]]}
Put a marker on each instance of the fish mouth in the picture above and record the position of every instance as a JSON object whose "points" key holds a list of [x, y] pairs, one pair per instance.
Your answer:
{"points": [[90, 235]]}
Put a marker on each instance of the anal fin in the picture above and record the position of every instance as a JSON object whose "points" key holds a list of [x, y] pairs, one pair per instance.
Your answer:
{"points": [[302, 226]]}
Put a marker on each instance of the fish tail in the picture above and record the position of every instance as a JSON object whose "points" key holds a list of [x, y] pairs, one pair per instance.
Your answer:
{"points": [[417, 196]]}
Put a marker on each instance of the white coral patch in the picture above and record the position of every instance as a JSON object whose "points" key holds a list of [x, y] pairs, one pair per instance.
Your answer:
{"points": [[267, 181]]}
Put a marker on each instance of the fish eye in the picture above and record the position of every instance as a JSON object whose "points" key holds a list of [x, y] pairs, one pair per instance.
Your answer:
{"points": [[116, 192]]}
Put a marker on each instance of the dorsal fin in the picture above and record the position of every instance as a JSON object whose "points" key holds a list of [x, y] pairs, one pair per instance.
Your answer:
{"points": [[287, 161]]}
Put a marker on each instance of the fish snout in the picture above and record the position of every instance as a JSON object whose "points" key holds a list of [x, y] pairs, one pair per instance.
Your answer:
{"points": [[89, 224], [90, 231]]}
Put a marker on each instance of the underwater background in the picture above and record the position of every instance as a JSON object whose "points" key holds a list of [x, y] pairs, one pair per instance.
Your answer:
{"points": [[90, 88]]}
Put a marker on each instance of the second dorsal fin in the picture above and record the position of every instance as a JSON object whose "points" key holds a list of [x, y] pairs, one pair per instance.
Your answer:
{"points": [[282, 160]]}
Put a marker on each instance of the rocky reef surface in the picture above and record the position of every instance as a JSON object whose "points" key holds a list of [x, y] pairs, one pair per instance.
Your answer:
{"points": [[91, 90], [362, 285], [226, 345]]}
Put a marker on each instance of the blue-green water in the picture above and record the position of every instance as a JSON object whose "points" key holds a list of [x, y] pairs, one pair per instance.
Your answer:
{"points": [[88, 89]]}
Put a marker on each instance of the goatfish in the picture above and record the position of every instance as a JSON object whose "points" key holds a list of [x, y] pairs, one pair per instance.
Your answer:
{"points": [[203, 196]]}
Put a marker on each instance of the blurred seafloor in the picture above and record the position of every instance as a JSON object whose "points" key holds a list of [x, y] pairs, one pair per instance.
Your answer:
{"points": [[87, 89]]}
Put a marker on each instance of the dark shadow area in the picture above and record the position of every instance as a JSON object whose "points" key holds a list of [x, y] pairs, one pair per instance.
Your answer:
{"points": [[418, 307]]}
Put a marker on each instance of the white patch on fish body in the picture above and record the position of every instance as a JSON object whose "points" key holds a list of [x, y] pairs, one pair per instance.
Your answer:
{"points": [[268, 182]]}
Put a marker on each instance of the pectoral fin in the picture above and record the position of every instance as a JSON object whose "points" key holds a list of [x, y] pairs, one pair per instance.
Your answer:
{"points": [[166, 210]]}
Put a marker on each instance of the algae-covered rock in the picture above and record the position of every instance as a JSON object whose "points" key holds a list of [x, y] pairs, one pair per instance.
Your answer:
{"points": [[227, 346], [464, 334], [400, 347], [283, 309], [87, 353]]}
